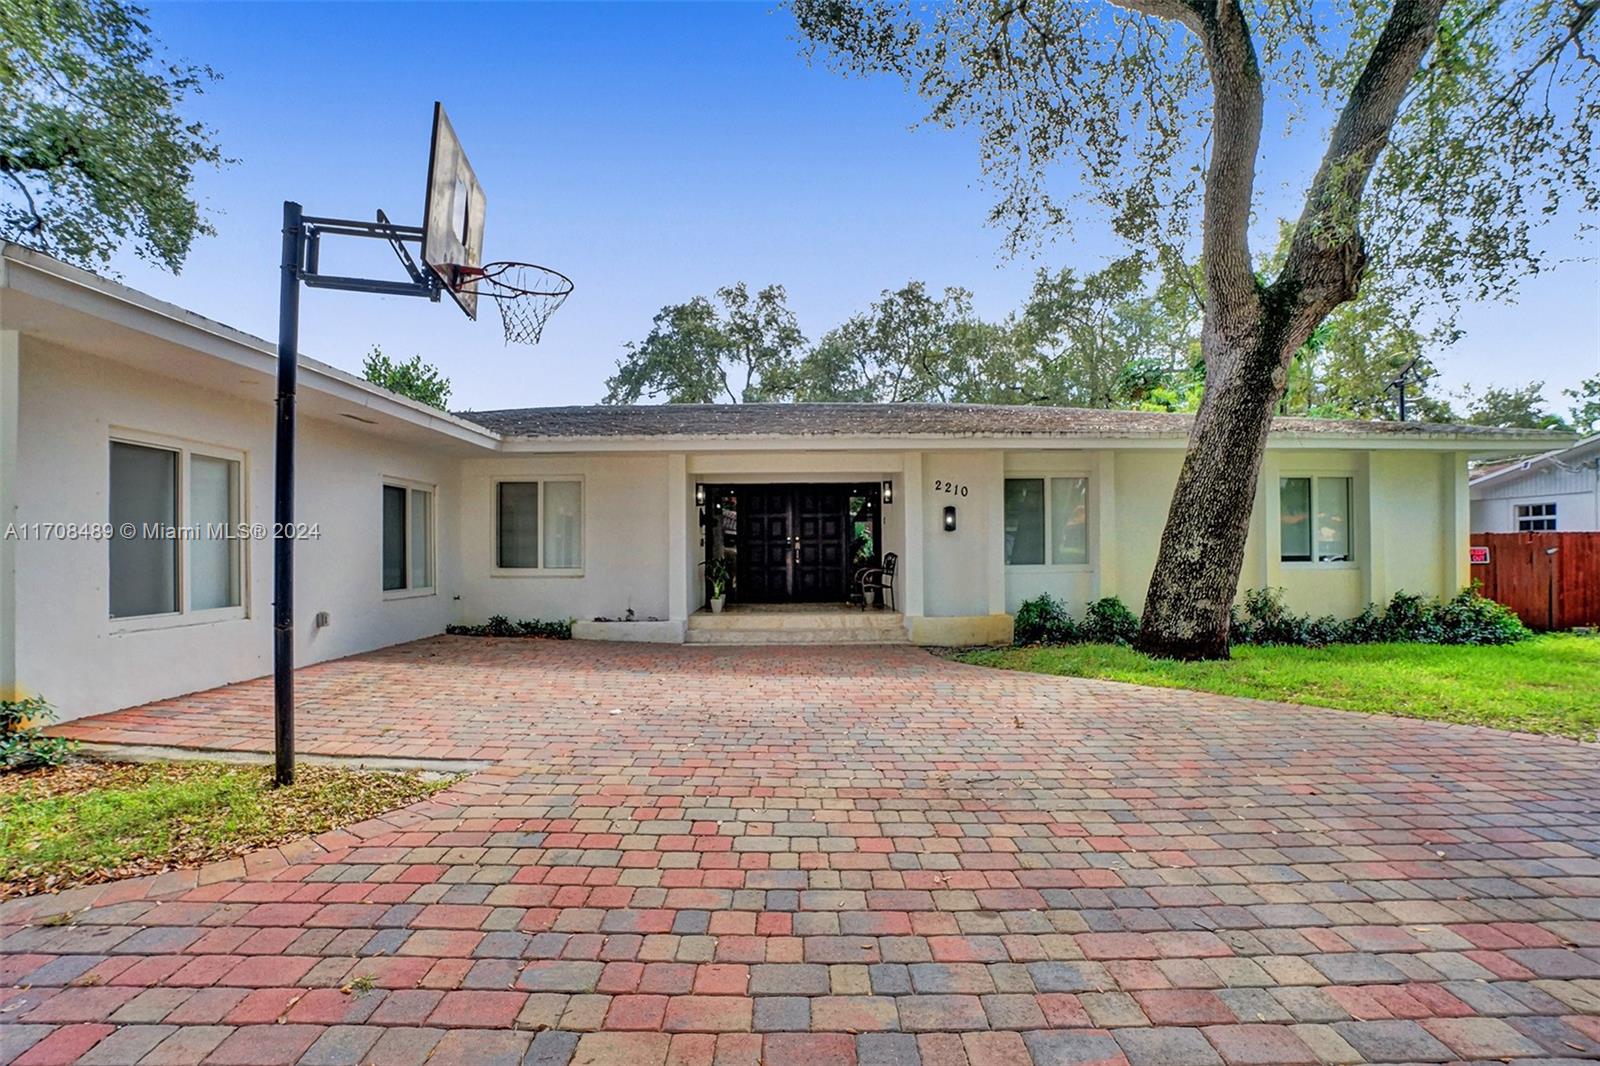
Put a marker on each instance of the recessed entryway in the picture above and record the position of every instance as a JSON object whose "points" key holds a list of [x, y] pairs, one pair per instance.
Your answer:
{"points": [[794, 543]]}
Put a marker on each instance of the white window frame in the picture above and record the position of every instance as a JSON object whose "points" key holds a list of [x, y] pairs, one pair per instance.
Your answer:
{"points": [[1548, 514], [184, 616], [1357, 509], [541, 570], [1049, 567], [408, 592]]}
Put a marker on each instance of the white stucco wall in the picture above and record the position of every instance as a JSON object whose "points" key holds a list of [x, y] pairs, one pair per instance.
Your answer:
{"points": [[84, 662], [1408, 521], [625, 529]]}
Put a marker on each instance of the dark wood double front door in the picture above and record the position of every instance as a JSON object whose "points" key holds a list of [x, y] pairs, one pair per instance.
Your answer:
{"points": [[794, 543]]}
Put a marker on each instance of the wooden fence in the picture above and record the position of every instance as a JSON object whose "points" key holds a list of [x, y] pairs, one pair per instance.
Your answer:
{"points": [[1552, 580]]}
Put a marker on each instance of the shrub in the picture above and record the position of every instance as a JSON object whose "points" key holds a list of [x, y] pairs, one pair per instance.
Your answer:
{"points": [[1263, 618], [1410, 618], [1043, 620], [1472, 618], [1364, 628], [1108, 621], [1268, 620], [501, 626], [22, 740]]}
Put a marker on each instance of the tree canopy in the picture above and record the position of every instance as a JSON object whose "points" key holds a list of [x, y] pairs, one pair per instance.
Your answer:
{"points": [[736, 347], [420, 381], [94, 150], [1127, 335]]}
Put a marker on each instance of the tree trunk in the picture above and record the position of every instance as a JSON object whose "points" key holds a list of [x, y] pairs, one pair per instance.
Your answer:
{"points": [[1186, 614]]}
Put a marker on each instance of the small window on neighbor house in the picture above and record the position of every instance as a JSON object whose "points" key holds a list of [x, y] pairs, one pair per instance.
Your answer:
{"points": [[1047, 513], [539, 524], [407, 538], [1314, 519], [1536, 517]]}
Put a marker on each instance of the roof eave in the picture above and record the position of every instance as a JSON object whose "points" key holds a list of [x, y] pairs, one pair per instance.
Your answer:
{"points": [[49, 278]]}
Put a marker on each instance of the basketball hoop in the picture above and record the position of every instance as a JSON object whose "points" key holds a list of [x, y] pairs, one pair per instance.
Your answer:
{"points": [[526, 293]]}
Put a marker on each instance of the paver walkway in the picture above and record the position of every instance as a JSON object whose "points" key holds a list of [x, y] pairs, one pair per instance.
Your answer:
{"points": [[836, 855]]}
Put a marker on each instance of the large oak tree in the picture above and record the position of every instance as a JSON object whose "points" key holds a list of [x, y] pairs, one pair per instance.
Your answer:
{"points": [[1448, 128]]}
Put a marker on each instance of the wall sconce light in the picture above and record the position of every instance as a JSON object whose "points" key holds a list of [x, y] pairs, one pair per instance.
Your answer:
{"points": [[950, 519], [888, 492], [700, 495]]}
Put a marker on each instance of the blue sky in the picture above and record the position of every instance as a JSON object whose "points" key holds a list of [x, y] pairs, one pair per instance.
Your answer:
{"points": [[652, 152]]}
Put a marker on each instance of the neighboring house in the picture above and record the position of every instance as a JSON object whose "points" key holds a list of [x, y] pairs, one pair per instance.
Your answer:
{"points": [[1558, 491], [118, 408]]}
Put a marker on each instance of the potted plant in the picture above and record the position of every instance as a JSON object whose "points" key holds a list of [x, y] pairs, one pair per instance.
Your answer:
{"points": [[720, 577]]}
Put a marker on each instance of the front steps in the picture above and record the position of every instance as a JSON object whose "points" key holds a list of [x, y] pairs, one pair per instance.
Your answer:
{"points": [[846, 626]]}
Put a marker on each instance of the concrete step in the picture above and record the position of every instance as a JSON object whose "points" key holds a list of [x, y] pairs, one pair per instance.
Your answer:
{"points": [[835, 627]]}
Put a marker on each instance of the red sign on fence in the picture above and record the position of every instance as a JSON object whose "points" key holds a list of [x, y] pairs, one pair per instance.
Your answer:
{"points": [[1478, 556]]}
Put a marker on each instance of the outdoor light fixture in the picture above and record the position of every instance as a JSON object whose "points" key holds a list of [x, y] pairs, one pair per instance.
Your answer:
{"points": [[888, 492], [950, 519], [700, 495]]}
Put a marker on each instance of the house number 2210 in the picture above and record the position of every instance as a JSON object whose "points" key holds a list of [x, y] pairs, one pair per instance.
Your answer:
{"points": [[949, 487]]}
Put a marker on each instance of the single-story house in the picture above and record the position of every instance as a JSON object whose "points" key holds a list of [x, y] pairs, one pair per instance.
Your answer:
{"points": [[1556, 491], [136, 476]]}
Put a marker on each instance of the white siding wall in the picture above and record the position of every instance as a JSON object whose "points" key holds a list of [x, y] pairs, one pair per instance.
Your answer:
{"points": [[1575, 511], [69, 649]]}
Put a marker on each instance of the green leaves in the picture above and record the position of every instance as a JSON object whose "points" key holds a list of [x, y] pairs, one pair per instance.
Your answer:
{"points": [[740, 348], [1114, 108], [94, 151], [420, 381]]}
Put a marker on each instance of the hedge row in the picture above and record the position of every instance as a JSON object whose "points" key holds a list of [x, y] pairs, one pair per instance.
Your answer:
{"points": [[1466, 618], [501, 626]]}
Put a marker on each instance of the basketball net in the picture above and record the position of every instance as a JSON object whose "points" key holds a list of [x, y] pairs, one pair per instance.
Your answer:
{"points": [[526, 293]]}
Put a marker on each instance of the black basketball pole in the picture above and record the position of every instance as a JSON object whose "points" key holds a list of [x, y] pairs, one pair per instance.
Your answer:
{"points": [[302, 238], [283, 501]]}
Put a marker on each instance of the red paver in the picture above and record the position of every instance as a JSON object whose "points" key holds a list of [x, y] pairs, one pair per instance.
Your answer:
{"points": [[825, 854]]}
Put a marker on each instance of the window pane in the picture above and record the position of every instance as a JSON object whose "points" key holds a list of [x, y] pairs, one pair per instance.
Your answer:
{"points": [[519, 525], [1294, 519], [144, 569], [421, 539], [394, 537], [213, 554], [1069, 520], [1024, 521], [1333, 519], [563, 524]]}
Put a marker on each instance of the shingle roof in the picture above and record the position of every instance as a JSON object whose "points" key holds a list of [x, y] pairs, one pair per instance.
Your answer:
{"points": [[919, 420]]}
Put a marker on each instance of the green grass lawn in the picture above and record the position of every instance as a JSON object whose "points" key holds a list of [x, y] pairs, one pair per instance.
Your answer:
{"points": [[1549, 684], [86, 821]]}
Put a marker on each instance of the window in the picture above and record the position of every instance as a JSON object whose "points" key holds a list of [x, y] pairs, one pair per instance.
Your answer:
{"points": [[1534, 517], [1047, 513], [174, 515], [539, 525], [407, 538], [1314, 520]]}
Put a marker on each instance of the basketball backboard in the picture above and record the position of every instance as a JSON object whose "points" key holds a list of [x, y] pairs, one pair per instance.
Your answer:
{"points": [[452, 215]]}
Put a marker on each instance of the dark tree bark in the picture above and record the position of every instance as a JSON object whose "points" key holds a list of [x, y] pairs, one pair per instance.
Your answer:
{"points": [[1251, 330]]}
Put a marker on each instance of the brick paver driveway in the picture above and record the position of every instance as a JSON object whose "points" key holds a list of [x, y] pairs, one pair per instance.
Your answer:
{"points": [[832, 855]]}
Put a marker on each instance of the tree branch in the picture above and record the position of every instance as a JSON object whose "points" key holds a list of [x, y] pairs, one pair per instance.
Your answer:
{"points": [[1230, 175], [1326, 254], [1188, 12]]}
